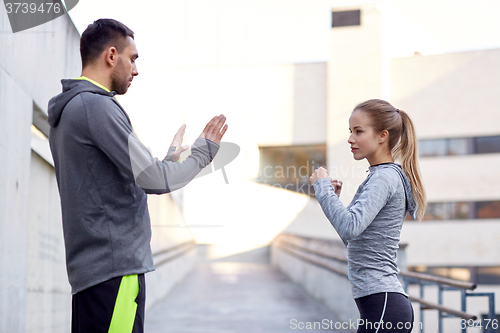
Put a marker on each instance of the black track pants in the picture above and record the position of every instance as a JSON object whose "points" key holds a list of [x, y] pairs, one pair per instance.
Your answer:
{"points": [[387, 312]]}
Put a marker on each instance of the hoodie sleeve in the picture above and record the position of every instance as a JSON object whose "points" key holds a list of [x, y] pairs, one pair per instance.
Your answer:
{"points": [[112, 132], [350, 223]]}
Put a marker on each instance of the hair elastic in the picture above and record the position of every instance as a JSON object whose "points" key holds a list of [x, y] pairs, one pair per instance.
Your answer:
{"points": [[397, 110]]}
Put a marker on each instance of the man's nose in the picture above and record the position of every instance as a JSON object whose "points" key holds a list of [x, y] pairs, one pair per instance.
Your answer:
{"points": [[135, 72]]}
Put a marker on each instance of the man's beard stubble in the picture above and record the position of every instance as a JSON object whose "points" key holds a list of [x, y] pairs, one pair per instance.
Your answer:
{"points": [[118, 83]]}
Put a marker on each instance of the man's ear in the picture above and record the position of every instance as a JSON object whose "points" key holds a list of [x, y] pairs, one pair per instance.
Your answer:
{"points": [[111, 56]]}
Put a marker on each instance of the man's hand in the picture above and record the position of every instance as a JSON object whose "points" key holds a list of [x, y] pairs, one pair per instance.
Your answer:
{"points": [[213, 130], [177, 141], [319, 173]]}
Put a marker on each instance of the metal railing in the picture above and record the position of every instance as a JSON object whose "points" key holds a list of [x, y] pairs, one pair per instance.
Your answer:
{"points": [[296, 246], [445, 284]]}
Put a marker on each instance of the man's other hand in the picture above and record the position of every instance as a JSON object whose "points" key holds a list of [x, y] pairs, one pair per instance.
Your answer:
{"points": [[214, 131]]}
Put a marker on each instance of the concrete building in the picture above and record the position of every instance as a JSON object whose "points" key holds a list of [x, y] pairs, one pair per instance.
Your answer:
{"points": [[452, 100]]}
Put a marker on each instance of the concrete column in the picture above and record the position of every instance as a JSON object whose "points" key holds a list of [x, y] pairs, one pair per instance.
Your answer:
{"points": [[15, 122]]}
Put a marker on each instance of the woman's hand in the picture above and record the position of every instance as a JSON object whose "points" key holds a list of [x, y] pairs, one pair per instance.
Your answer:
{"points": [[319, 173], [337, 186], [323, 173]]}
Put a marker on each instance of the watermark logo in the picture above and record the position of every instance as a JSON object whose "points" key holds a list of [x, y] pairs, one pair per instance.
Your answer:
{"points": [[228, 151], [26, 14]]}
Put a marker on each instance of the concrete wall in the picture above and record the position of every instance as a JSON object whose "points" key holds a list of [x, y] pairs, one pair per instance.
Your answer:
{"points": [[31, 65], [331, 289], [48, 294], [309, 103]]}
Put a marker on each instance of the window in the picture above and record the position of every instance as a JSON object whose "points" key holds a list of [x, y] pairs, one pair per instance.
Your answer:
{"points": [[479, 275], [487, 144], [488, 209], [435, 147], [459, 146], [460, 210], [290, 167], [346, 18], [437, 211], [488, 275]]}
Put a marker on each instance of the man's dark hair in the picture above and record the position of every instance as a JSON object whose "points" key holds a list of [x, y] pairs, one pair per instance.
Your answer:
{"points": [[101, 34]]}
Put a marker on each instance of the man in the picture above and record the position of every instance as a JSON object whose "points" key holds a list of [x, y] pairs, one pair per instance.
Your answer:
{"points": [[103, 173]]}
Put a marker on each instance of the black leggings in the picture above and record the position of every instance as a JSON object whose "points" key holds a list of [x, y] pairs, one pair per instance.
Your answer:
{"points": [[385, 312]]}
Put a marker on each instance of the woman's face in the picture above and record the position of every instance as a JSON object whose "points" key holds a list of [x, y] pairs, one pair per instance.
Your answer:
{"points": [[362, 137]]}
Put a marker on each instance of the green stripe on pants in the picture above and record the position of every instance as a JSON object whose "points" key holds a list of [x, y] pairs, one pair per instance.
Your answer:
{"points": [[125, 306]]}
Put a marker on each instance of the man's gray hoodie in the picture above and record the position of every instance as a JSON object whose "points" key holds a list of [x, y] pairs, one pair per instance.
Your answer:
{"points": [[370, 226], [103, 173]]}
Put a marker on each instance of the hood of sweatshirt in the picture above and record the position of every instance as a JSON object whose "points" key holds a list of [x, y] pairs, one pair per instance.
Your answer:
{"points": [[70, 88], [410, 200]]}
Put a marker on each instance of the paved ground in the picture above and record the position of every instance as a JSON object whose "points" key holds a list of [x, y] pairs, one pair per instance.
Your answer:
{"points": [[225, 297]]}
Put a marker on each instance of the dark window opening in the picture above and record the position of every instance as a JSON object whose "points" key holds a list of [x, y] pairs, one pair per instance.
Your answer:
{"points": [[459, 146], [488, 209], [440, 211], [486, 275], [346, 18], [487, 144]]}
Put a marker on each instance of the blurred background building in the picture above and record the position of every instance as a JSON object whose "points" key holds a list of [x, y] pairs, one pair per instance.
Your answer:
{"points": [[288, 114]]}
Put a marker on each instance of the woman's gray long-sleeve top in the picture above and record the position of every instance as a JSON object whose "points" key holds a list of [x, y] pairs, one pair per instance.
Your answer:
{"points": [[370, 226]]}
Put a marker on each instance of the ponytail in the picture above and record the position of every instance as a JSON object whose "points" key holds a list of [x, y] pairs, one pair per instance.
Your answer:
{"points": [[402, 144], [407, 153]]}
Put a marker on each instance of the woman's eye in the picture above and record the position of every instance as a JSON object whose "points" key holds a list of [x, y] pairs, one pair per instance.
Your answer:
{"points": [[358, 131]]}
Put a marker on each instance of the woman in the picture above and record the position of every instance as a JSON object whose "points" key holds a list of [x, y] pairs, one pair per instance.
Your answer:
{"points": [[370, 226]]}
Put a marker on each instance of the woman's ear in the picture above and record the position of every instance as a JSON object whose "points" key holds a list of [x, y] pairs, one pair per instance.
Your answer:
{"points": [[384, 135]]}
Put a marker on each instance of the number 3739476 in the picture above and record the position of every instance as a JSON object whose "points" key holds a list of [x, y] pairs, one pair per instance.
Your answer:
{"points": [[32, 8]]}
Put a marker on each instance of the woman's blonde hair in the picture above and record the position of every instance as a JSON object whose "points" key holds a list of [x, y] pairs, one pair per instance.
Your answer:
{"points": [[384, 116]]}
